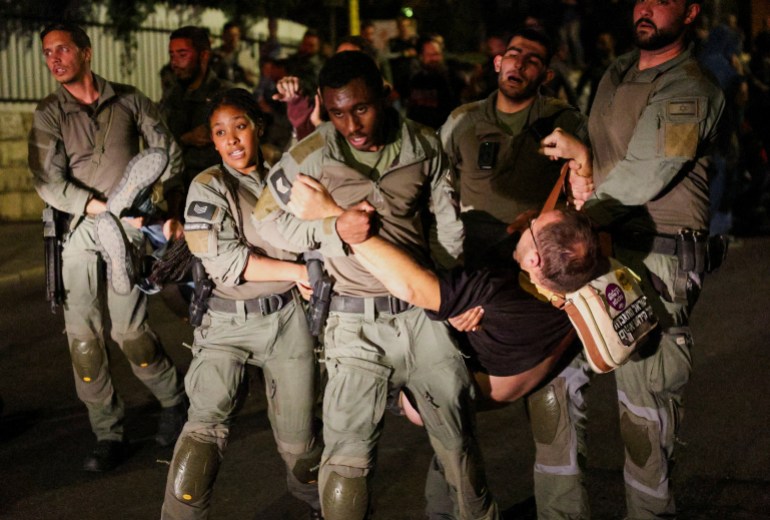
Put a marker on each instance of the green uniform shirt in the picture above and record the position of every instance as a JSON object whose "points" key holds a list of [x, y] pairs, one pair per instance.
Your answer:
{"points": [[651, 133], [219, 230], [65, 169], [413, 190]]}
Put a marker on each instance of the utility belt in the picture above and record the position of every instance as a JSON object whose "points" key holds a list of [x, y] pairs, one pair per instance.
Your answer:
{"points": [[264, 305], [357, 305], [696, 250]]}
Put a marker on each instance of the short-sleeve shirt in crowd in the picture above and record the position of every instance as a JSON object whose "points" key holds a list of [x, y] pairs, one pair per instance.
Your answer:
{"points": [[518, 331]]}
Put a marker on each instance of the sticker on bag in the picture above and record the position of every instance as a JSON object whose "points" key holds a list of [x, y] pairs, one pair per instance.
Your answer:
{"points": [[612, 316]]}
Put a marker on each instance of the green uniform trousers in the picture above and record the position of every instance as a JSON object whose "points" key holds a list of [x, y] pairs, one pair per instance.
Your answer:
{"points": [[650, 388], [368, 353], [87, 295], [282, 347]]}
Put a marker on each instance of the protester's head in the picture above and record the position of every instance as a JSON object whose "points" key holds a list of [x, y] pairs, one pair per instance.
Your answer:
{"points": [[357, 43], [236, 125], [368, 31], [658, 25], [524, 65], [430, 51], [560, 250], [352, 91], [231, 35], [310, 44], [67, 52], [405, 27], [189, 50]]}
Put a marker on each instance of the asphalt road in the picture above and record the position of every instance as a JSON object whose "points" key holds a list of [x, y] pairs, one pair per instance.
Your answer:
{"points": [[722, 471]]}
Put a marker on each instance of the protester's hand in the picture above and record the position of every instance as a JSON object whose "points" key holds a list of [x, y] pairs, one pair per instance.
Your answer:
{"points": [[469, 321], [287, 89], [197, 137], [173, 229], [354, 225], [310, 200]]}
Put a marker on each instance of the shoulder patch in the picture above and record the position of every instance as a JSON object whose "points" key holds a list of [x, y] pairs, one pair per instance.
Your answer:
{"points": [[682, 107], [304, 148], [200, 238], [203, 210], [265, 205], [281, 186]]}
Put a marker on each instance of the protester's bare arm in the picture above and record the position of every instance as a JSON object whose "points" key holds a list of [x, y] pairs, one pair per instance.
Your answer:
{"points": [[399, 273]]}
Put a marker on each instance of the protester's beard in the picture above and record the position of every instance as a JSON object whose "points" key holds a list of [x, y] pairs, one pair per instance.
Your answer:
{"points": [[659, 38]]}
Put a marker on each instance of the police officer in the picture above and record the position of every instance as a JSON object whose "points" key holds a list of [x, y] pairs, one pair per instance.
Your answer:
{"points": [[75, 176], [493, 145], [374, 341], [653, 121], [254, 317]]}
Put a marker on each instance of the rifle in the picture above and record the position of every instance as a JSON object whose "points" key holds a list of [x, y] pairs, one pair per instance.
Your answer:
{"points": [[54, 222], [318, 308]]}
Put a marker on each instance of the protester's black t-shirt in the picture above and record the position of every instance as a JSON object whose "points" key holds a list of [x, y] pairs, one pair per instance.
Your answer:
{"points": [[517, 332]]}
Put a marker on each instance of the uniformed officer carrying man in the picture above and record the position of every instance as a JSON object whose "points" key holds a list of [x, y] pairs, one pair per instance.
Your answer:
{"points": [[652, 123], [83, 136], [374, 341]]}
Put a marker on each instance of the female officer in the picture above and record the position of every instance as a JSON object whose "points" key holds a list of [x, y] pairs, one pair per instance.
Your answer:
{"points": [[254, 317]]}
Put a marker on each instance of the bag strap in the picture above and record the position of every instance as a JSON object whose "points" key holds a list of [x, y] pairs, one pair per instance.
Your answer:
{"points": [[550, 202]]}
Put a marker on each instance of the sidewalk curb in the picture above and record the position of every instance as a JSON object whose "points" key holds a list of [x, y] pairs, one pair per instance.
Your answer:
{"points": [[17, 281]]}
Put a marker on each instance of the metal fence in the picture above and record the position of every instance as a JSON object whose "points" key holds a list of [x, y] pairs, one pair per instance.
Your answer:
{"points": [[24, 77]]}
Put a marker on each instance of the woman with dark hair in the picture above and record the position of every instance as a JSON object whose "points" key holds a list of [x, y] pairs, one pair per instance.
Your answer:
{"points": [[254, 316]]}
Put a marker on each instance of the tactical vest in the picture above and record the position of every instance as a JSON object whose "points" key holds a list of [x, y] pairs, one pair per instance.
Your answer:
{"points": [[615, 113]]}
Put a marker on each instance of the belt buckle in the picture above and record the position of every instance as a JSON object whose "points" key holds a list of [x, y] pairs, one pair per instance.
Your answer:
{"points": [[270, 304]]}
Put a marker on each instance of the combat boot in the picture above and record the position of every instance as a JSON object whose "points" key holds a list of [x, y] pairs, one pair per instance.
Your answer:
{"points": [[112, 243], [138, 178], [105, 456], [170, 423]]}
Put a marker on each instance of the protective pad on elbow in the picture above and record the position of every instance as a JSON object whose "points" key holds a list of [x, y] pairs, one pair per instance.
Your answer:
{"points": [[87, 358], [142, 350], [346, 498], [194, 468]]}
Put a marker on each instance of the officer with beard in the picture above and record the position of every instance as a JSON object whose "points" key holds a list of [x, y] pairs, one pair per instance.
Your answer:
{"points": [[184, 108]]}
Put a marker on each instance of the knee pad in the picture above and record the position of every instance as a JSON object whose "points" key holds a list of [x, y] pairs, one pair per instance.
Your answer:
{"points": [[345, 498], [549, 417], [87, 358], [142, 350], [644, 457], [305, 468], [194, 469]]}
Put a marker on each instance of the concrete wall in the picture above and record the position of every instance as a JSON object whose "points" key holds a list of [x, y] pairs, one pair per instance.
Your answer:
{"points": [[18, 199]]}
